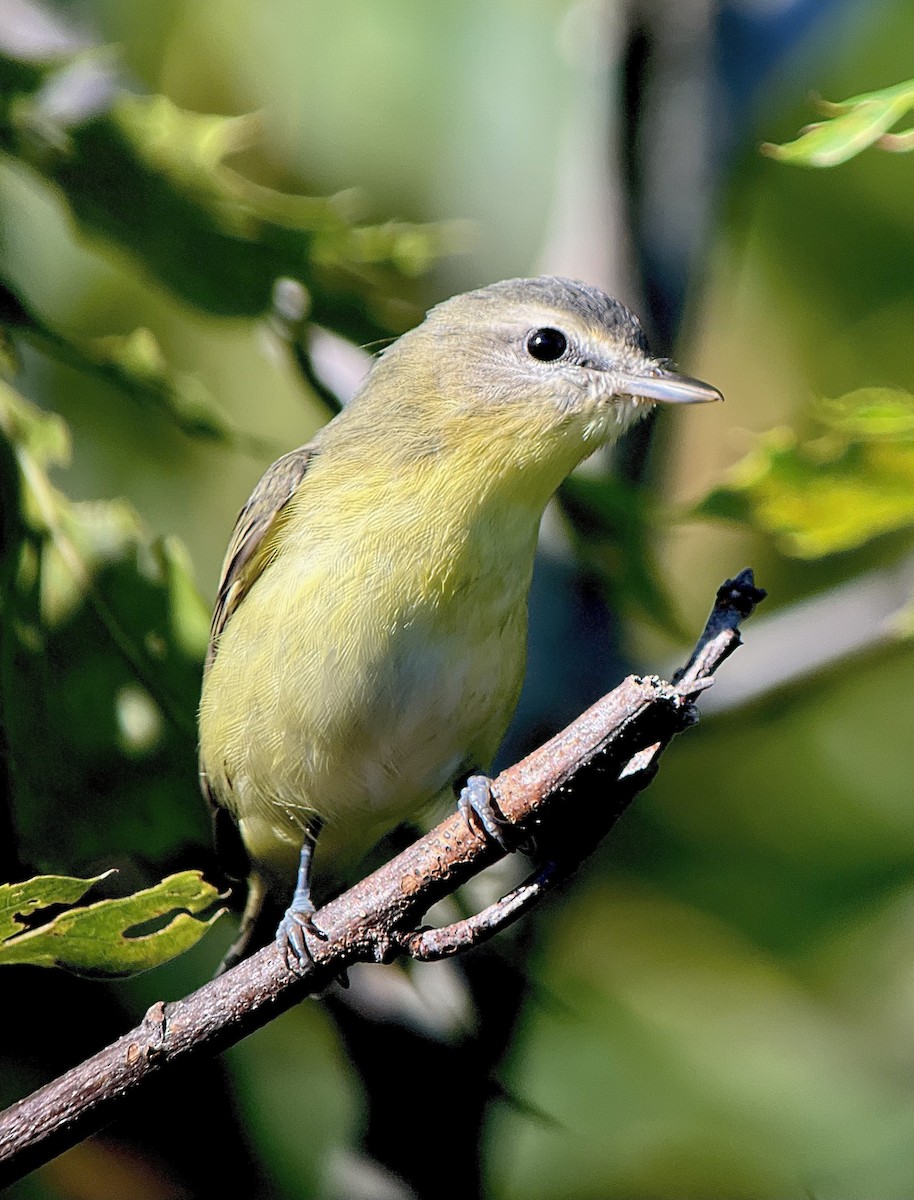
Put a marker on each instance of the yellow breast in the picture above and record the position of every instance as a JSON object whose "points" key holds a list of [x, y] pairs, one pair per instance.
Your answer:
{"points": [[377, 656]]}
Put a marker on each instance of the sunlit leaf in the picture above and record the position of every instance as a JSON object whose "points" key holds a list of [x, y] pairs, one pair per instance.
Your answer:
{"points": [[152, 179], [105, 938], [18, 901], [870, 414], [851, 126], [826, 494]]}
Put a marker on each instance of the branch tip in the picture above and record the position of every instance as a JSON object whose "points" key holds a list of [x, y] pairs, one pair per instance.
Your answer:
{"points": [[740, 594]]}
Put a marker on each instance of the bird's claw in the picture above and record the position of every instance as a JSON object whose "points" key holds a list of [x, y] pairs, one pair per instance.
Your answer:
{"points": [[477, 805], [291, 939]]}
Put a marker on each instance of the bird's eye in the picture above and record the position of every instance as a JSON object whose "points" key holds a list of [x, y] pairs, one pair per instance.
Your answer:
{"points": [[547, 344]]}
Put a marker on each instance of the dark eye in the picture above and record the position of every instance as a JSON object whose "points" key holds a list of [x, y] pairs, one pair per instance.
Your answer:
{"points": [[547, 344]]}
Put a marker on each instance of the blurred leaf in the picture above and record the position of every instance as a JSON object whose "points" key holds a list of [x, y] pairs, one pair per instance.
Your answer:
{"points": [[615, 530], [832, 492], [103, 938], [869, 414], [853, 125], [135, 365], [102, 635], [151, 178]]}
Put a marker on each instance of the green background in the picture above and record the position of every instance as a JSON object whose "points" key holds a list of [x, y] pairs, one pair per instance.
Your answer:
{"points": [[721, 1004]]}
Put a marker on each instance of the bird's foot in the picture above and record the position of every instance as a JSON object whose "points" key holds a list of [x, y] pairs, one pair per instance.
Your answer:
{"points": [[476, 802], [291, 935]]}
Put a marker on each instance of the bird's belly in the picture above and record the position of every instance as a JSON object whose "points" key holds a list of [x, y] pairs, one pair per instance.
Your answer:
{"points": [[365, 747]]}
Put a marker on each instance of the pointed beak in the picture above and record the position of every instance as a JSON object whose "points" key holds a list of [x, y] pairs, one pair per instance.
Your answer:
{"points": [[668, 387]]}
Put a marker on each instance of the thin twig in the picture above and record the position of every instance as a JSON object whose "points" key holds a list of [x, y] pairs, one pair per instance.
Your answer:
{"points": [[568, 793]]}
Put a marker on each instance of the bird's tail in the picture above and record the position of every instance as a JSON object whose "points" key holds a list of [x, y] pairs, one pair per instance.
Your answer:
{"points": [[259, 922]]}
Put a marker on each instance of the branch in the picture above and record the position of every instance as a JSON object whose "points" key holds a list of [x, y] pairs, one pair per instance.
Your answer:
{"points": [[570, 792]]}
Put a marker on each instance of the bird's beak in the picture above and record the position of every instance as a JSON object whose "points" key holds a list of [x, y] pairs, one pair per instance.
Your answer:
{"points": [[668, 387]]}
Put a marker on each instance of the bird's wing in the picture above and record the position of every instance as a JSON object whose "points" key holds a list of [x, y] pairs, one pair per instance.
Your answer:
{"points": [[242, 565], [239, 571]]}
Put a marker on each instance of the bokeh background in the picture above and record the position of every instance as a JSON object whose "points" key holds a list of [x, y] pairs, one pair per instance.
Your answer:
{"points": [[721, 1004]]}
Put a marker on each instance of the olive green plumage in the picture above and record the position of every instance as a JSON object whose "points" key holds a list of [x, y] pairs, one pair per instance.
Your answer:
{"points": [[370, 629]]}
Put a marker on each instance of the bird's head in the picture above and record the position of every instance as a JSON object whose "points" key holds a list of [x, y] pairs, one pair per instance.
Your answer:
{"points": [[559, 342], [545, 368]]}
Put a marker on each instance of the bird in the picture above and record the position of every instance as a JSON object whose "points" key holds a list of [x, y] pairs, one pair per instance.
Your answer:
{"points": [[368, 640]]}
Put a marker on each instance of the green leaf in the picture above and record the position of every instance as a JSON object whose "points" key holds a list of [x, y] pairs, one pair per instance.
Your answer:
{"points": [[152, 179], [869, 414], [833, 492], [853, 125], [18, 900], [105, 938]]}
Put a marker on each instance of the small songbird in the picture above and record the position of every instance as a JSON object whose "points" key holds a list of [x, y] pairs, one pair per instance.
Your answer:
{"points": [[369, 636]]}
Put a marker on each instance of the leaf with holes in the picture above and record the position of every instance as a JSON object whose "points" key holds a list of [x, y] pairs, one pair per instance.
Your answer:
{"points": [[106, 938]]}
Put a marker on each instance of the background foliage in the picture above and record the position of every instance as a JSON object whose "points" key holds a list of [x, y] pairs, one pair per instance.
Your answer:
{"points": [[721, 1005]]}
